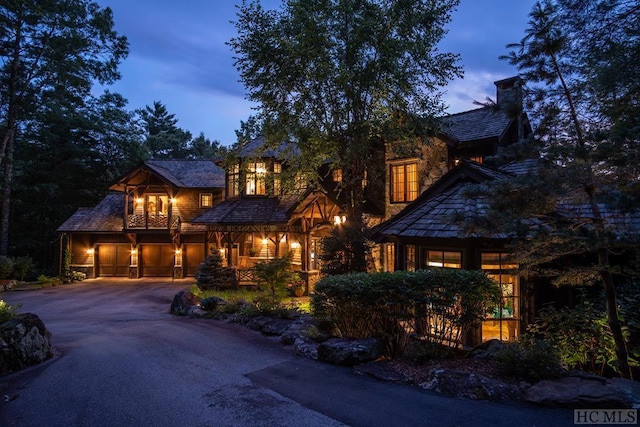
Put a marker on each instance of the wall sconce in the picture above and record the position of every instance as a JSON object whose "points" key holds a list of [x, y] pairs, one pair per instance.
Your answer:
{"points": [[133, 251], [337, 220], [295, 245], [139, 200], [178, 251], [265, 242], [90, 251], [173, 200]]}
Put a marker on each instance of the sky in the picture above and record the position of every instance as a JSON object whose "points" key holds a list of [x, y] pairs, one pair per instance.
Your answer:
{"points": [[178, 56]]}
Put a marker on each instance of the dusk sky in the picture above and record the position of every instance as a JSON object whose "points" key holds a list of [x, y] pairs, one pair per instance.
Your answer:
{"points": [[178, 56]]}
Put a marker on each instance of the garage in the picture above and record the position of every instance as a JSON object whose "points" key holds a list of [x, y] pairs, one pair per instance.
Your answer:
{"points": [[157, 260], [193, 256], [113, 260]]}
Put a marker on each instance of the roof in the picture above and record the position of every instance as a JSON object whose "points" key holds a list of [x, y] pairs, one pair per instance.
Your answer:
{"points": [[189, 173], [478, 124], [106, 216], [259, 148], [249, 210]]}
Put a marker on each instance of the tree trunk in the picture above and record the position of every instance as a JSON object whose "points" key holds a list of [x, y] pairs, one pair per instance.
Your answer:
{"points": [[6, 198]]}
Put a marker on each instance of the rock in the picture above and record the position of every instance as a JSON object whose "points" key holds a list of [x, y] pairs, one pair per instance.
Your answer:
{"points": [[182, 303], [196, 312], [24, 341], [471, 386], [380, 371], [349, 352], [212, 303], [305, 347], [585, 391], [276, 327], [486, 350]]}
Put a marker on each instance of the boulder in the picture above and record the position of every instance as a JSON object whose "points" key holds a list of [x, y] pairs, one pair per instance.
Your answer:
{"points": [[349, 352], [24, 342], [486, 350], [183, 302], [305, 347], [381, 370], [212, 303], [580, 390], [471, 386]]}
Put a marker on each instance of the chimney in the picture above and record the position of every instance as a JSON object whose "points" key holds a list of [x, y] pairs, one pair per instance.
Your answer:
{"points": [[509, 100]]}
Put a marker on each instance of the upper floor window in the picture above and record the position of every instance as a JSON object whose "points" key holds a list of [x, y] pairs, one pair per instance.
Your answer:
{"points": [[206, 200], [233, 181], [157, 205], [277, 188], [404, 182], [336, 175], [255, 179]]}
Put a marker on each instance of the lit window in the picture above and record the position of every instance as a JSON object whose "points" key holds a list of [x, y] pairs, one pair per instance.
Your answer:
{"points": [[255, 179], [277, 169], [444, 259], [206, 200], [336, 175], [404, 183], [411, 258], [502, 321], [233, 181]]}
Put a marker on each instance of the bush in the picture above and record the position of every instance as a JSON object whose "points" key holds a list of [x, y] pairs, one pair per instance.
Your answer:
{"points": [[438, 305], [7, 311], [22, 267], [529, 360], [6, 267], [275, 274], [579, 335], [46, 281], [212, 275]]}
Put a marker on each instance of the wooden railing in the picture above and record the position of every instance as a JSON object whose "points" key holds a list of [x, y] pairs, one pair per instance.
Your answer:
{"points": [[152, 221], [246, 276]]}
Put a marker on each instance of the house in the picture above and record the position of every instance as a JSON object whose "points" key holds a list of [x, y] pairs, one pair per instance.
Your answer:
{"points": [[163, 217], [143, 227]]}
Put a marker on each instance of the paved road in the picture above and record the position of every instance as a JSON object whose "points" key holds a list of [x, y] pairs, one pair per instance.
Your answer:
{"points": [[123, 360]]}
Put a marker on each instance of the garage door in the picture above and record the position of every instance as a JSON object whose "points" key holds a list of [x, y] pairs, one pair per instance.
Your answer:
{"points": [[113, 260], [157, 260], [193, 256]]}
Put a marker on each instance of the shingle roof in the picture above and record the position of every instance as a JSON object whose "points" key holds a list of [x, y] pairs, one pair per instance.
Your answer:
{"points": [[189, 173], [249, 210], [256, 148], [106, 216], [473, 125]]}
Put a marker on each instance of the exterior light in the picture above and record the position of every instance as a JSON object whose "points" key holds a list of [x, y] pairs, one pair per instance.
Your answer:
{"points": [[90, 251], [264, 242], [337, 220], [283, 238], [295, 245], [173, 200], [133, 252], [139, 200], [178, 251]]}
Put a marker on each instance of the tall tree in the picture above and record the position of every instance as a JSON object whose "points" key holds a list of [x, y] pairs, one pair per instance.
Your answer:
{"points": [[202, 147], [342, 77], [584, 107], [164, 139], [48, 47]]}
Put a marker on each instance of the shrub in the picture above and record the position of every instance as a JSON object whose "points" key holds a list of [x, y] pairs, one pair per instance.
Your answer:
{"points": [[580, 336], [438, 305], [212, 275], [7, 311], [529, 360], [46, 281], [275, 274], [6, 267], [22, 267]]}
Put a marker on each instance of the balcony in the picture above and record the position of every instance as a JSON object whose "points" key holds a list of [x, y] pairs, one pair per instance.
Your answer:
{"points": [[155, 222]]}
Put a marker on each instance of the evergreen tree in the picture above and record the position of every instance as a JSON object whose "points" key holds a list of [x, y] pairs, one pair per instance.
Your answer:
{"points": [[164, 139]]}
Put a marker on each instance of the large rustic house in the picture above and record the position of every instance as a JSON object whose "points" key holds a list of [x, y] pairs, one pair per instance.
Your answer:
{"points": [[163, 217]]}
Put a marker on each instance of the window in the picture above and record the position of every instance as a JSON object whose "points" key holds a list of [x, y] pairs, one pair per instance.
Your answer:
{"points": [[233, 181], [277, 169], [444, 259], [336, 175], [502, 322], [206, 200], [157, 205], [404, 183], [255, 179], [389, 257]]}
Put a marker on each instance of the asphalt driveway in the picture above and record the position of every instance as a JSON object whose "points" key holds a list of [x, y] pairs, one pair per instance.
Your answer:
{"points": [[123, 360]]}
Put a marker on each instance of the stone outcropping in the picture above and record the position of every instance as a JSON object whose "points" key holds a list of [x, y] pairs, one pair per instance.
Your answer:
{"points": [[349, 352], [24, 342], [185, 304], [471, 386], [582, 390]]}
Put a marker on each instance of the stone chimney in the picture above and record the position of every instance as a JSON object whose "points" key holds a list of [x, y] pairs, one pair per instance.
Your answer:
{"points": [[509, 93]]}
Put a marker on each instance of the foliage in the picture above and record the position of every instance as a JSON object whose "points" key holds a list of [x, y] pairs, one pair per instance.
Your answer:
{"points": [[439, 305], [22, 266], [46, 281], [7, 311], [73, 276], [164, 139], [576, 207], [212, 275], [275, 274], [529, 360], [580, 336], [342, 78], [6, 267], [339, 249]]}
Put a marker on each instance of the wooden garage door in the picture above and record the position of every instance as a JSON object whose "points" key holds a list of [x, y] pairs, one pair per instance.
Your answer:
{"points": [[193, 256], [113, 260], [157, 260]]}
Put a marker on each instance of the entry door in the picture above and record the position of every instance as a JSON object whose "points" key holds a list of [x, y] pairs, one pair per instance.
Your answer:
{"points": [[113, 260], [157, 260]]}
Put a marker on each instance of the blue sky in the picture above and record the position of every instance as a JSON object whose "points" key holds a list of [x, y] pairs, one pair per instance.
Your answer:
{"points": [[178, 56]]}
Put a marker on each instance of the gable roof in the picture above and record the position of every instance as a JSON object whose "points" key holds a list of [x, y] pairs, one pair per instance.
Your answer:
{"points": [[258, 148], [181, 173], [478, 124], [249, 210], [106, 216]]}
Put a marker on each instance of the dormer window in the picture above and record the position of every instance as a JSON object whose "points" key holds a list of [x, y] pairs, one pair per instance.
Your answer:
{"points": [[233, 181], [255, 179]]}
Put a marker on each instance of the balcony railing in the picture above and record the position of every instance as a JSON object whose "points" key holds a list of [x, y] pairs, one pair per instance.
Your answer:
{"points": [[152, 221]]}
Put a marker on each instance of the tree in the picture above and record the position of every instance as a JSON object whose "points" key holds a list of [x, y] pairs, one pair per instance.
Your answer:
{"points": [[342, 77], [164, 139], [203, 148], [570, 214], [48, 48]]}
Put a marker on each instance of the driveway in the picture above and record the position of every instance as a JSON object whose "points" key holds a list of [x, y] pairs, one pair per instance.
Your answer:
{"points": [[123, 360]]}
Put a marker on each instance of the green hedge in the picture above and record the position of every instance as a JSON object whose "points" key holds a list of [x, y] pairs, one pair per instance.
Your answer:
{"points": [[438, 305]]}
